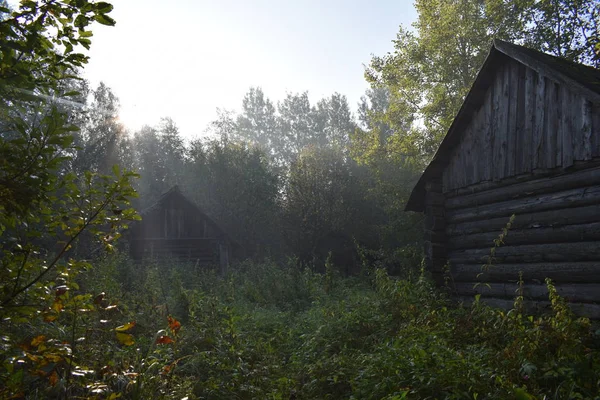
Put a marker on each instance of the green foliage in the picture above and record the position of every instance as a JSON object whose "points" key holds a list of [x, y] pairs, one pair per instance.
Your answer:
{"points": [[271, 331], [40, 42], [237, 185], [158, 154], [45, 211], [326, 194], [285, 130], [434, 65]]}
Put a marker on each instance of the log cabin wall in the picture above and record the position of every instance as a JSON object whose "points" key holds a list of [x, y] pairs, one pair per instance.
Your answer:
{"points": [[528, 127], [531, 148], [555, 234]]}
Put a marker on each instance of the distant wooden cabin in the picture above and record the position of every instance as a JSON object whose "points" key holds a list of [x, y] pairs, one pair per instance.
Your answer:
{"points": [[526, 141], [174, 227]]}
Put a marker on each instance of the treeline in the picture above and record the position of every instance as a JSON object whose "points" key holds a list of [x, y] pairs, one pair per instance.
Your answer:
{"points": [[300, 178], [282, 179]]}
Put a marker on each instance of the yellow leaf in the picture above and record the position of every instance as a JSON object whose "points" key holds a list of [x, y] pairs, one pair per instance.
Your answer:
{"points": [[52, 357], [50, 317], [38, 340], [114, 396], [57, 305], [125, 339], [126, 327]]}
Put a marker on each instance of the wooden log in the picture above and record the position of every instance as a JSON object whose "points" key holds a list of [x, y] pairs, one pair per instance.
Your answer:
{"points": [[579, 292], [552, 218], [564, 199], [530, 253], [533, 235], [532, 187], [532, 307], [518, 179], [560, 199], [574, 272], [496, 127]]}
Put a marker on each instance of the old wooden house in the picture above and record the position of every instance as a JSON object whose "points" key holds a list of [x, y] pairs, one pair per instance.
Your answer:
{"points": [[526, 141], [174, 227]]}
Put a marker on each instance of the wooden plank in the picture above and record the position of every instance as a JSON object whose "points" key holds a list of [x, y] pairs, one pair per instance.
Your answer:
{"points": [[576, 272], [530, 253], [513, 105], [539, 128], [578, 292], [549, 71], [552, 218], [468, 157], [451, 168], [551, 133], [537, 234], [478, 147], [486, 144], [533, 187], [502, 125], [583, 128], [577, 197], [596, 130], [524, 122], [446, 177], [497, 130], [566, 127]]}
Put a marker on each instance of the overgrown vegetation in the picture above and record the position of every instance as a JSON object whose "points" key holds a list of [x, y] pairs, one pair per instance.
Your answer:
{"points": [[271, 331]]}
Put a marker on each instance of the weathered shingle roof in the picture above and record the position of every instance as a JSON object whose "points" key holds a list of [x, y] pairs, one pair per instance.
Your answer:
{"points": [[578, 77]]}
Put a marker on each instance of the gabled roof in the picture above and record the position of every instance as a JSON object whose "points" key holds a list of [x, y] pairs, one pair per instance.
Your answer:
{"points": [[175, 192], [579, 78]]}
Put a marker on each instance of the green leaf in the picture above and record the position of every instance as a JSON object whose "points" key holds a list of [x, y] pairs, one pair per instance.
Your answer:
{"points": [[85, 43], [104, 19], [104, 7]]}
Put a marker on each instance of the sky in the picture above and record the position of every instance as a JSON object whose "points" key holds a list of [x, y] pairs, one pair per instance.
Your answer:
{"points": [[185, 58]]}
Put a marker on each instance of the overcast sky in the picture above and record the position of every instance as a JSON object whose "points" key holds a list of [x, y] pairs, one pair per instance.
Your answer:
{"points": [[186, 58]]}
